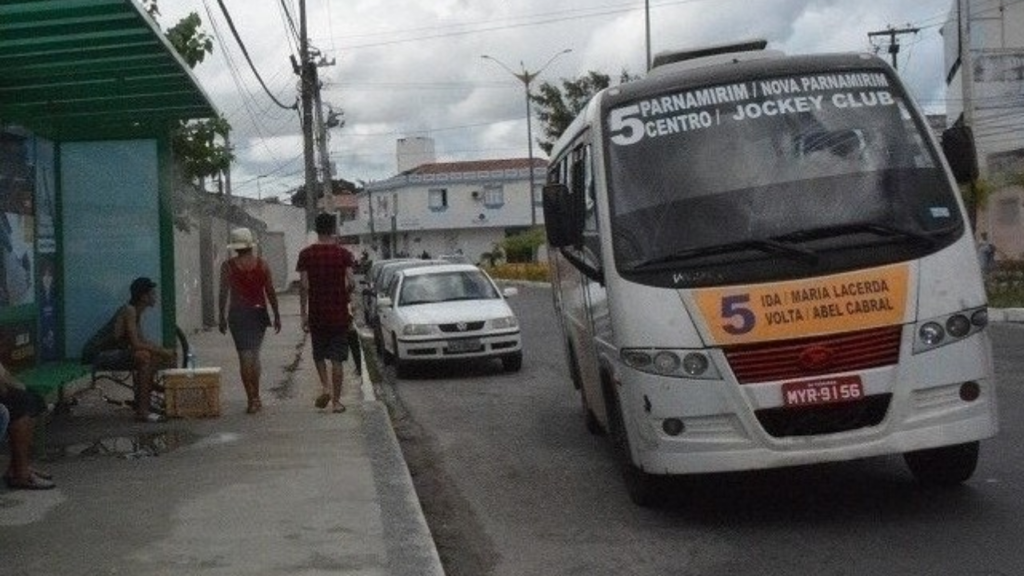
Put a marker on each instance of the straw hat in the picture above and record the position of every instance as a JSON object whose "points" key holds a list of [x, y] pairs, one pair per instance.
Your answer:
{"points": [[241, 239]]}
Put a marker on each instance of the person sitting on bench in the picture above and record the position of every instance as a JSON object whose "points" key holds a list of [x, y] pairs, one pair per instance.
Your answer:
{"points": [[22, 407], [121, 344]]}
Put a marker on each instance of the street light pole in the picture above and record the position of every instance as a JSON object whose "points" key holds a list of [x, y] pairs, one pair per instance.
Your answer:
{"points": [[259, 189], [526, 77]]}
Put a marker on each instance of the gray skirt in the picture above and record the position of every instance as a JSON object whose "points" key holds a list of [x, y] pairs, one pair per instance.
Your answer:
{"points": [[248, 325]]}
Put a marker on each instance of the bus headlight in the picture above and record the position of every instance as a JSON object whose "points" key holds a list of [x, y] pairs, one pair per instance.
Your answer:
{"points": [[674, 363], [695, 364], [943, 330], [980, 318], [666, 362], [931, 333], [958, 325]]}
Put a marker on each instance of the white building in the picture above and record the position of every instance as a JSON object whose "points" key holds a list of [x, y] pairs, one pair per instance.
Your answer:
{"points": [[993, 94], [448, 207]]}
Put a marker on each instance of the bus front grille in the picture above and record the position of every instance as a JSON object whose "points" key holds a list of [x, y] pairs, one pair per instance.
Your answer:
{"points": [[805, 357], [826, 419]]}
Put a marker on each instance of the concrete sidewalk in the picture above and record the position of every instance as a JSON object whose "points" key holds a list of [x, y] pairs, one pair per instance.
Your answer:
{"points": [[292, 490]]}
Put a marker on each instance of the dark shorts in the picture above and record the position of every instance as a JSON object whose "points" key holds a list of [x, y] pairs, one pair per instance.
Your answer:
{"points": [[22, 403], [248, 326], [117, 359], [329, 344]]}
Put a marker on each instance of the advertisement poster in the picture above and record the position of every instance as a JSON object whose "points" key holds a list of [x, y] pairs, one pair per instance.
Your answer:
{"points": [[17, 348], [17, 249], [17, 220]]}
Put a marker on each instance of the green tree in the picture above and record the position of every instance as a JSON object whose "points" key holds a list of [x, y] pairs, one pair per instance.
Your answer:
{"points": [[195, 142], [557, 107], [523, 246], [200, 146]]}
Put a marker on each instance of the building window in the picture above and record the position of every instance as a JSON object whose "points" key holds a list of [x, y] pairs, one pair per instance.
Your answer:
{"points": [[538, 194], [494, 196], [438, 200]]}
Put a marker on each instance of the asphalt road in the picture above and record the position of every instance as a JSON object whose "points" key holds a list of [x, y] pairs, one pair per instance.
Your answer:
{"points": [[512, 484]]}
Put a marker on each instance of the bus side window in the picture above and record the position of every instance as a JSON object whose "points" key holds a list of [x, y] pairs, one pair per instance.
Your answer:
{"points": [[590, 222]]}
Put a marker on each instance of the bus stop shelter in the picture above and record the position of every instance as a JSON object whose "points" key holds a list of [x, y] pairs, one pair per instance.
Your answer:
{"points": [[90, 92]]}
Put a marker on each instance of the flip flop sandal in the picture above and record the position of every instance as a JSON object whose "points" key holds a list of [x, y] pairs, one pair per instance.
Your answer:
{"points": [[33, 483], [322, 400]]}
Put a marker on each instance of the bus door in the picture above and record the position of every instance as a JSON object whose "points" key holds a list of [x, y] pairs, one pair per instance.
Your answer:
{"points": [[597, 323]]}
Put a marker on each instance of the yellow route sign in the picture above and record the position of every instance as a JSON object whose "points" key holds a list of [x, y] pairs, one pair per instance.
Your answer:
{"points": [[784, 310]]}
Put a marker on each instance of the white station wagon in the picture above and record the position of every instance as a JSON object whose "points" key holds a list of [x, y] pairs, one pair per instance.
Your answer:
{"points": [[448, 312]]}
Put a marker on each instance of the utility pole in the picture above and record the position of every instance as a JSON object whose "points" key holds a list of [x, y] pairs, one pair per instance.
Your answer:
{"points": [[527, 77], [647, 30], [966, 62], [321, 131], [894, 44], [967, 86], [307, 81]]}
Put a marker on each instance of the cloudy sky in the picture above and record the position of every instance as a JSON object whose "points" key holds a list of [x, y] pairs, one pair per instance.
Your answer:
{"points": [[405, 68]]}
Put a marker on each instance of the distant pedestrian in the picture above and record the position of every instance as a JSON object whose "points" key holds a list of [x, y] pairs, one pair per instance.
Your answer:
{"points": [[326, 282], [247, 280], [986, 255]]}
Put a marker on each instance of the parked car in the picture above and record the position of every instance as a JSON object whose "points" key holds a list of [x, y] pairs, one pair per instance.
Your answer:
{"points": [[448, 312], [370, 286], [455, 258]]}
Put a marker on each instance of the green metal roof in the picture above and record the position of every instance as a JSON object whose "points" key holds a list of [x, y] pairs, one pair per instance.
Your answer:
{"points": [[91, 69]]}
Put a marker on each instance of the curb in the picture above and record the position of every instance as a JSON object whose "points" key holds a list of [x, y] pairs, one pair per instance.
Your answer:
{"points": [[407, 539], [1011, 315]]}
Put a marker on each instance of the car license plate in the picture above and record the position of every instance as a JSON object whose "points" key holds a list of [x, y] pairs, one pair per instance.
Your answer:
{"points": [[824, 391], [457, 346]]}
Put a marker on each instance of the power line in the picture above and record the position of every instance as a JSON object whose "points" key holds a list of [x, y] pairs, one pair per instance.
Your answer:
{"points": [[234, 32]]}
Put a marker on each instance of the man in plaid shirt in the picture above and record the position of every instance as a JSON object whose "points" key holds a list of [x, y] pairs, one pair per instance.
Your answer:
{"points": [[325, 270]]}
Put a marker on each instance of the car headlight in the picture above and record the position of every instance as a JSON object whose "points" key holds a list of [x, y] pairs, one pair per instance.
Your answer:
{"points": [[504, 323], [417, 329]]}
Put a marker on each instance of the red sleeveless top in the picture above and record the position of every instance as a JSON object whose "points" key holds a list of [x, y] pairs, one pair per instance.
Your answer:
{"points": [[248, 286]]}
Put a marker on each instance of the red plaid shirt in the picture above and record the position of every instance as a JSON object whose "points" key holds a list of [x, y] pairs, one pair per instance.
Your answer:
{"points": [[325, 266]]}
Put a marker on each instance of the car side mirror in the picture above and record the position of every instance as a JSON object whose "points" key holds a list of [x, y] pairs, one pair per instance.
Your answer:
{"points": [[384, 302], [510, 291]]}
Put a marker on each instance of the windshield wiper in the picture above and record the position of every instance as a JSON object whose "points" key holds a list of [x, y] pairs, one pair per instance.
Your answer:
{"points": [[768, 246], [859, 228]]}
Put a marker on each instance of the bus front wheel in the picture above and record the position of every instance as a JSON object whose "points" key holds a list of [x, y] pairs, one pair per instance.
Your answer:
{"points": [[945, 466], [644, 489]]}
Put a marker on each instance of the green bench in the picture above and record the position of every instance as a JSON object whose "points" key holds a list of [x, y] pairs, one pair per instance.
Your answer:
{"points": [[49, 379]]}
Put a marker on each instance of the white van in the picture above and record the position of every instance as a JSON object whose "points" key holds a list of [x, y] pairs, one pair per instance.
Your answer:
{"points": [[762, 260]]}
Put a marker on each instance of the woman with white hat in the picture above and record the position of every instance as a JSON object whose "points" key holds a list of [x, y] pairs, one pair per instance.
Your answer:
{"points": [[247, 280]]}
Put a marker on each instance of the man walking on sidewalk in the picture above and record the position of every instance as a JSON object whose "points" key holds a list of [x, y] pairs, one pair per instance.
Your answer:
{"points": [[326, 280]]}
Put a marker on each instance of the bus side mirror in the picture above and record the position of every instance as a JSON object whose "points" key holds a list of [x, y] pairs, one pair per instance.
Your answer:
{"points": [[958, 147], [559, 216]]}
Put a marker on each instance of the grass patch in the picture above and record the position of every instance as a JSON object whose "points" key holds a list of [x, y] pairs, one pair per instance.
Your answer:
{"points": [[532, 271], [1005, 285]]}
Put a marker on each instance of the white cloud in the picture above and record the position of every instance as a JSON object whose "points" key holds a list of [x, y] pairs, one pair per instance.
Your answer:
{"points": [[407, 68]]}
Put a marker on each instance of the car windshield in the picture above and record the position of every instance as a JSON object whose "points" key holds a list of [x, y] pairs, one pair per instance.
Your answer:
{"points": [[796, 175], [446, 287]]}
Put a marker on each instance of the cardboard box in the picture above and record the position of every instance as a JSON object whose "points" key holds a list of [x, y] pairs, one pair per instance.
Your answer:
{"points": [[191, 393]]}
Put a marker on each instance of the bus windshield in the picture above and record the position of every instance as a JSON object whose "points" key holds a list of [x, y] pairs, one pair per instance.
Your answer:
{"points": [[775, 178]]}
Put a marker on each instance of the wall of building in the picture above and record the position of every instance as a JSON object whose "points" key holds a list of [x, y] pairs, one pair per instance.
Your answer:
{"points": [[290, 220], [472, 220], [997, 101]]}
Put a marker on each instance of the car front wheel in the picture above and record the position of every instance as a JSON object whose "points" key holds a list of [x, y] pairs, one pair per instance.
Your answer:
{"points": [[512, 362]]}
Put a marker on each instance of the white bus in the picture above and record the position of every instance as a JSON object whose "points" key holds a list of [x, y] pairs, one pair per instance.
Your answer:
{"points": [[762, 260]]}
